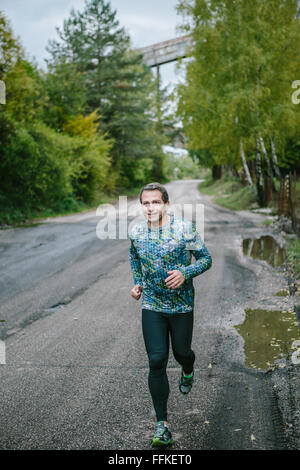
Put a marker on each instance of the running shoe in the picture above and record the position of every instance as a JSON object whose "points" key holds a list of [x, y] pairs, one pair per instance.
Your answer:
{"points": [[162, 436], [185, 383]]}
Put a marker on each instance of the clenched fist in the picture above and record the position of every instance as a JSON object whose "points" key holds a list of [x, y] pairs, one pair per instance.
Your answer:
{"points": [[136, 292]]}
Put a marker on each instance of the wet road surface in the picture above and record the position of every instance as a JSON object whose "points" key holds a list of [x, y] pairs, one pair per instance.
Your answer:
{"points": [[76, 369]]}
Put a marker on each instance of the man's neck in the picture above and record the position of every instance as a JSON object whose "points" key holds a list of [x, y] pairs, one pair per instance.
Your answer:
{"points": [[160, 223]]}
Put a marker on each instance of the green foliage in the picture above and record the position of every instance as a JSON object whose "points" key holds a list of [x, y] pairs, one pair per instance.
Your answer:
{"points": [[84, 126], [115, 82], [82, 130], [10, 49], [7, 127], [91, 161], [181, 167], [228, 192], [34, 169], [43, 169], [290, 157], [204, 157], [239, 77], [293, 258], [65, 88], [24, 88], [25, 96]]}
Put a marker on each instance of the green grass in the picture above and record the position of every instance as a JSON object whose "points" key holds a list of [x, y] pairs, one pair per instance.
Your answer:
{"points": [[228, 192], [268, 222], [17, 218], [292, 248]]}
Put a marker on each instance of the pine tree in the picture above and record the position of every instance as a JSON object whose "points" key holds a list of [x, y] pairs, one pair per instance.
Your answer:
{"points": [[116, 83]]}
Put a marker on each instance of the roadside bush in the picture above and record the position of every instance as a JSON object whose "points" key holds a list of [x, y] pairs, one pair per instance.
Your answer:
{"points": [[34, 168], [42, 169]]}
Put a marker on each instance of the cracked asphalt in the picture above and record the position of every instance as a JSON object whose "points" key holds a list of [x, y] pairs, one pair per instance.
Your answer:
{"points": [[76, 368]]}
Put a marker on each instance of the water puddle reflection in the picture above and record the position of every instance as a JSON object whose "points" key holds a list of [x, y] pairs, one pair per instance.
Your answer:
{"points": [[264, 248], [268, 336]]}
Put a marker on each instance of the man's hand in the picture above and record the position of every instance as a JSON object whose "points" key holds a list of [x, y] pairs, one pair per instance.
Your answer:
{"points": [[176, 279], [136, 292]]}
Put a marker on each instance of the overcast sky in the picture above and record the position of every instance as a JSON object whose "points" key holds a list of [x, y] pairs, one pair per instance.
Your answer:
{"points": [[146, 21]]}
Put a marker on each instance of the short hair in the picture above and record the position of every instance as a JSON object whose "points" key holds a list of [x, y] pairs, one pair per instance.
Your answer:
{"points": [[153, 187]]}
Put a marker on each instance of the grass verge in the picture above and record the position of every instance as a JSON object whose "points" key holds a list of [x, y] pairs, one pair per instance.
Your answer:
{"points": [[292, 249], [12, 217], [228, 192]]}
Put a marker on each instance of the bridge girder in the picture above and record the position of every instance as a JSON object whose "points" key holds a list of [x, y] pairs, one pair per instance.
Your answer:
{"points": [[166, 51]]}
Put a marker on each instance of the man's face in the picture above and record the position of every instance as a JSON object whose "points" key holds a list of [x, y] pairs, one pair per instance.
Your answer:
{"points": [[153, 206]]}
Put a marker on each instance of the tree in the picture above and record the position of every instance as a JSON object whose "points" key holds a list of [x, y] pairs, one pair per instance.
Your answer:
{"points": [[65, 88], [10, 48], [25, 96], [237, 94], [92, 163], [116, 83], [40, 167]]}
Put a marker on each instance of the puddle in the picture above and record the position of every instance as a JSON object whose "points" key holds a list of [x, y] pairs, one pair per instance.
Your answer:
{"points": [[268, 336], [264, 248]]}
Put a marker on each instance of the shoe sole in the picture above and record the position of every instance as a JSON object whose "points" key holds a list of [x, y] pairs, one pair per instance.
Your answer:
{"points": [[180, 385], [183, 393]]}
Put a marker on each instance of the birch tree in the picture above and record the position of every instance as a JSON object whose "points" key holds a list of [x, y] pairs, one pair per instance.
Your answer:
{"points": [[238, 82]]}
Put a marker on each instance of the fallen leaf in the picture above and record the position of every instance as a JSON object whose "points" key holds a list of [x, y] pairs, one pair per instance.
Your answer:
{"points": [[252, 437]]}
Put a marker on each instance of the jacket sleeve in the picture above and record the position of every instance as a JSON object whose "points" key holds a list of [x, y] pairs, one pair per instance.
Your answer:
{"points": [[135, 265], [203, 262]]}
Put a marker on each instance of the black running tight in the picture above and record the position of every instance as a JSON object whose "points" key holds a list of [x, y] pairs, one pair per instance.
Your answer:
{"points": [[158, 327]]}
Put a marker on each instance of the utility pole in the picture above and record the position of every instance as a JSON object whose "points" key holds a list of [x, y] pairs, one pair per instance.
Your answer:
{"points": [[2, 92], [158, 99]]}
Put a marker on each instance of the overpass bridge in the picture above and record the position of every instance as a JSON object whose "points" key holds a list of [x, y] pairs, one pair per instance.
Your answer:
{"points": [[166, 51], [163, 53]]}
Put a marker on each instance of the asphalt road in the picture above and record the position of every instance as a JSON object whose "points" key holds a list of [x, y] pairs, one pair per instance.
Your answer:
{"points": [[76, 369]]}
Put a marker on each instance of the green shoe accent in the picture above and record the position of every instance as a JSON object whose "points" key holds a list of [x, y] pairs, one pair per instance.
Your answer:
{"points": [[186, 383], [162, 436], [188, 376]]}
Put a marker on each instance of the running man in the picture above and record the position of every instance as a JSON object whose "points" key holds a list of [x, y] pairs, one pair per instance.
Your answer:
{"points": [[160, 259]]}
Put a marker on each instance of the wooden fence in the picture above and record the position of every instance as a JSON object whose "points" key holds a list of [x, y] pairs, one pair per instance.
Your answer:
{"points": [[287, 203]]}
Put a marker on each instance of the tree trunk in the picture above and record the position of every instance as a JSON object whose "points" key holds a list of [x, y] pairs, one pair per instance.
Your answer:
{"points": [[270, 172], [268, 189], [259, 177], [268, 179], [252, 170], [288, 199], [293, 202], [247, 172], [284, 195], [275, 161], [216, 172]]}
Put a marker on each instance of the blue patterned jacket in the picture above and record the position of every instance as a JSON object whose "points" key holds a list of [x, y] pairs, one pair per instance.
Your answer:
{"points": [[154, 252]]}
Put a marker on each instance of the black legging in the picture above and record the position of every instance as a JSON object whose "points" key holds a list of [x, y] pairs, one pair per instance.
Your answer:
{"points": [[156, 329]]}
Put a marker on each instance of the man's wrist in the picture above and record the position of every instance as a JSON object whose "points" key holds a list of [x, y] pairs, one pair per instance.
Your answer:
{"points": [[183, 272]]}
